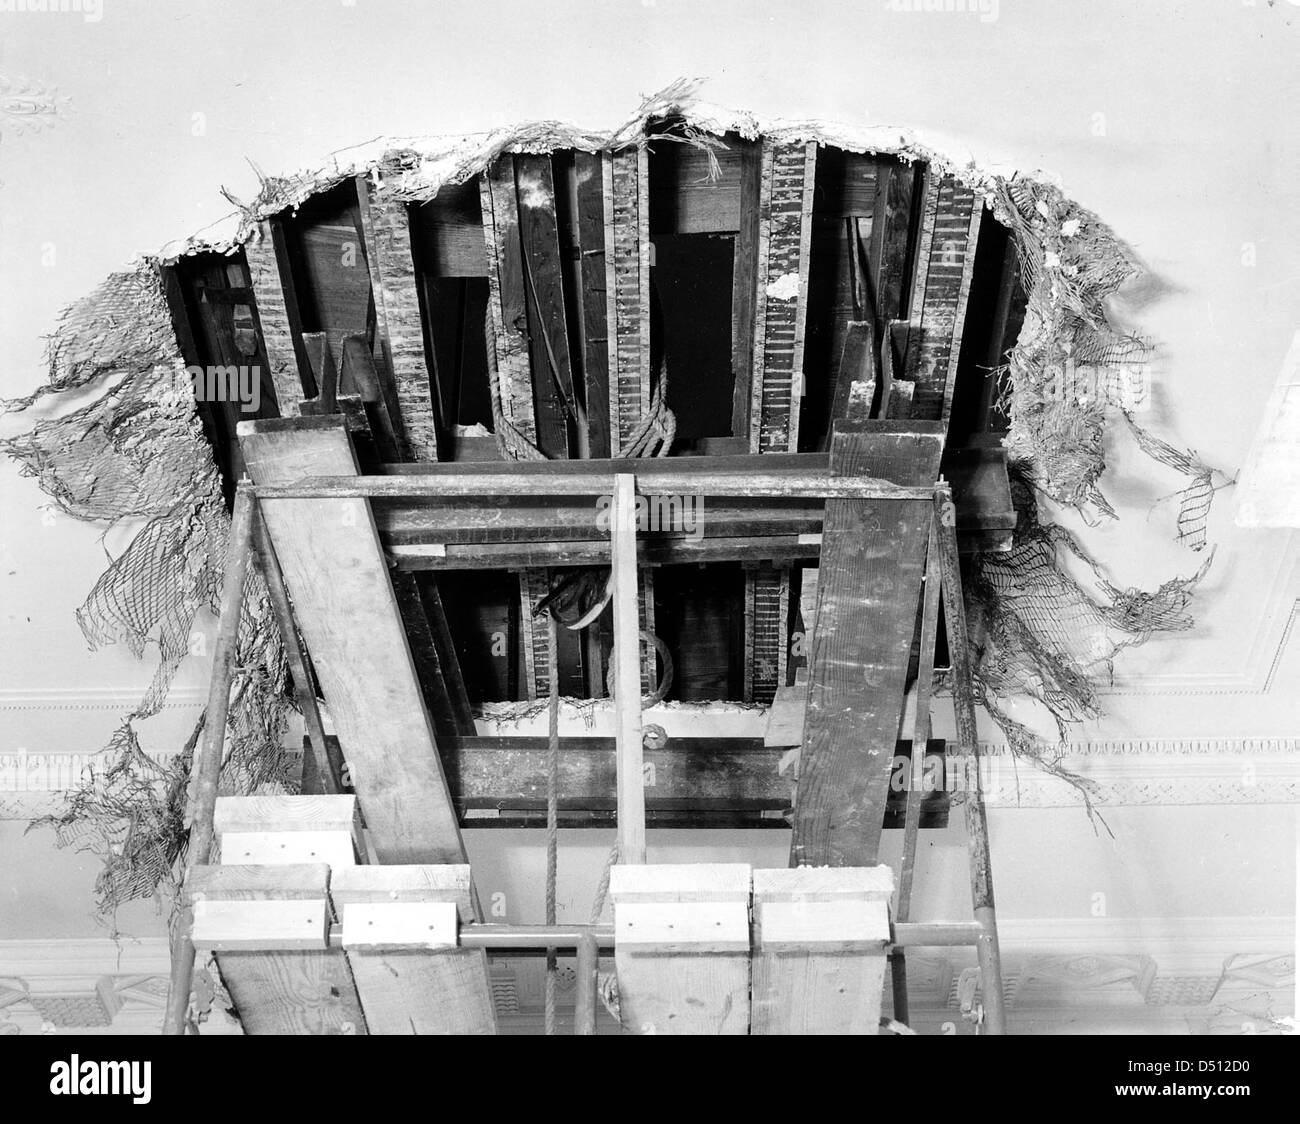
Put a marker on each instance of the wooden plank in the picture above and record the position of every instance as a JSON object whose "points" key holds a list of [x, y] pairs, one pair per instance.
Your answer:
{"points": [[308, 991], [590, 231], [548, 331], [417, 991], [346, 607], [671, 985], [819, 949], [869, 580], [399, 327], [627, 231], [428, 659], [785, 211], [507, 300], [261, 926], [447, 232], [273, 293], [744, 285], [627, 673], [857, 365], [945, 264]]}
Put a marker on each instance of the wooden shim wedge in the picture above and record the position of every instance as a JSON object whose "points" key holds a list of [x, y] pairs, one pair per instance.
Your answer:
{"points": [[869, 581], [307, 990], [681, 947], [819, 949], [412, 990], [336, 573]]}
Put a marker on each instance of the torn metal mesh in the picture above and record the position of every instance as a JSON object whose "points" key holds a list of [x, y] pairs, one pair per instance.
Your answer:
{"points": [[135, 456]]}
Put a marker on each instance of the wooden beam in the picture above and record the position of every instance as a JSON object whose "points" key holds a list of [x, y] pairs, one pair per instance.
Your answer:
{"points": [[554, 401], [627, 231], [507, 300], [627, 673], [277, 311], [744, 284], [300, 991], [945, 265], [681, 948], [869, 580], [819, 949], [400, 329], [590, 231], [781, 296], [347, 610], [416, 991]]}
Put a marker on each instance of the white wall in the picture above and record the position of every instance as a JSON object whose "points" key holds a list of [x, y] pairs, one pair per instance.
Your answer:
{"points": [[1198, 157]]}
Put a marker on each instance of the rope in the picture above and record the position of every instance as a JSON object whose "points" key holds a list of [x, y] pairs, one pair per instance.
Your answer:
{"points": [[552, 815]]}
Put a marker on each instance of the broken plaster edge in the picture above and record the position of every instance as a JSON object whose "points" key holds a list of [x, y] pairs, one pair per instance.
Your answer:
{"points": [[415, 169]]}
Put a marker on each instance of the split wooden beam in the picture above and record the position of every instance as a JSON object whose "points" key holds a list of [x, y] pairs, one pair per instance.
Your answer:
{"points": [[869, 583], [407, 985], [945, 264], [336, 573]]}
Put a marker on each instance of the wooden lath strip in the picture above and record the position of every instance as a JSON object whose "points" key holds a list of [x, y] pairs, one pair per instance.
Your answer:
{"points": [[627, 232], [400, 330], [273, 293], [506, 300], [945, 265]]}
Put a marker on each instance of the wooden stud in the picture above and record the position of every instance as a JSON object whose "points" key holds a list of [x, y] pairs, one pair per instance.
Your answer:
{"points": [[682, 948], [627, 673], [347, 610]]}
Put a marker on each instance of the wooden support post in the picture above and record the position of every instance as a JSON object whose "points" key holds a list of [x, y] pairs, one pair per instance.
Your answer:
{"points": [[819, 949], [405, 988], [507, 300], [627, 231], [275, 960], [869, 578], [681, 948], [399, 327], [277, 312], [205, 772], [944, 267], [954, 615], [336, 573], [592, 272], [627, 673]]}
